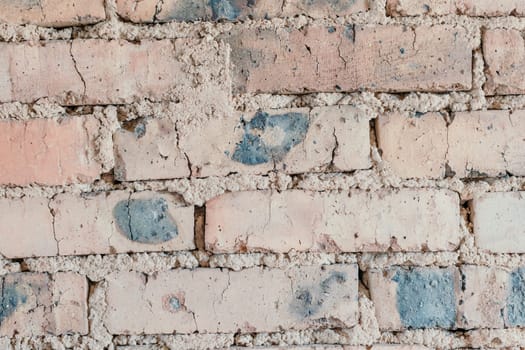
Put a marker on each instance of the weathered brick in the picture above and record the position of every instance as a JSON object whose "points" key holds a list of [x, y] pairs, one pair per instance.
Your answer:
{"points": [[487, 143], [483, 297], [120, 222], [233, 10], [26, 228], [514, 312], [463, 7], [498, 221], [251, 300], [52, 13], [48, 151], [504, 53], [42, 304], [292, 141], [97, 71], [415, 298], [413, 146], [407, 220], [327, 59], [475, 144], [149, 151]]}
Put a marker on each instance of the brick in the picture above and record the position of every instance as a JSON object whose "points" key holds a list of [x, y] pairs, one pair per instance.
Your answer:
{"points": [[41, 304], [149, 151], [514, 312], [462, 7], [413, 146], [95, 71], [487, 143], [121, 222], [407, 220], [420, 297], [52, 13], [26, 228], [288, 140], [48, 151], [251, 300], [483, 297], [504, 53], [420, 7], [475, 144], [498, 221], [327, 59], [233, 10]]}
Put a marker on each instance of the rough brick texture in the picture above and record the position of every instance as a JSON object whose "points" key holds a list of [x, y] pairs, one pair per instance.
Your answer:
{"points": [[447, 7], [252, 300], [176, 10], [352, 58], [266, 174], [407, 220], [40, 304], [52, 13], [48, 151], [474, 144]]}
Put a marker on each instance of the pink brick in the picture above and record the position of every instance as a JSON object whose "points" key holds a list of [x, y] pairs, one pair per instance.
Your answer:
{"points": [[382, 58], [420, 297], [220, 301], [48, 151], [97, 71], [413, 146], [149, 151], [52, 13], [499, 221], [487, 143], [475, 144], [408, 220], [26, 228], [42, 304], [294, 141], [176, 10], [504, 53], [120, 222], [483, 297], [463, 7]]}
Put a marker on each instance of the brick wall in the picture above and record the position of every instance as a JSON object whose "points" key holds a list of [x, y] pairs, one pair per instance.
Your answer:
{"points": [[273, 174]]}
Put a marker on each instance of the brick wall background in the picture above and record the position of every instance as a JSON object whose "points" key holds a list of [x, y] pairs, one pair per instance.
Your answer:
{"points": [[277, 174]]}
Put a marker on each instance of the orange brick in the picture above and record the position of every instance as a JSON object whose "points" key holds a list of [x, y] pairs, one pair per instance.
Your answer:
{"points": [[52, 13], [48, 151]]}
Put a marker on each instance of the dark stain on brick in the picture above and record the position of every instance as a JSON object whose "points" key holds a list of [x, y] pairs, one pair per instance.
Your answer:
{"points": [[270, 137], [187, 10], [426, 298], [224, 9], [516, 298], [10, 299], [308, 301], [145, 220]]}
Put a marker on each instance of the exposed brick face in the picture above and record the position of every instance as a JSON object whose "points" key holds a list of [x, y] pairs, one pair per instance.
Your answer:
{"points": [[504, 51], [331, 59], [94, 71], [41, 304], [181, 300], [266, 174], [175, 10], [48, 151], [407, 220], [474, 144], [52, 13], [448, 7]]}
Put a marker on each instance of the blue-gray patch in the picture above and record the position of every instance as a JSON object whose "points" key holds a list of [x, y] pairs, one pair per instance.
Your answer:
{"points": [[426, 298], [516, 298], [308, 301], [224, 9], [252, 149], [145, 220], [10, 299]]}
